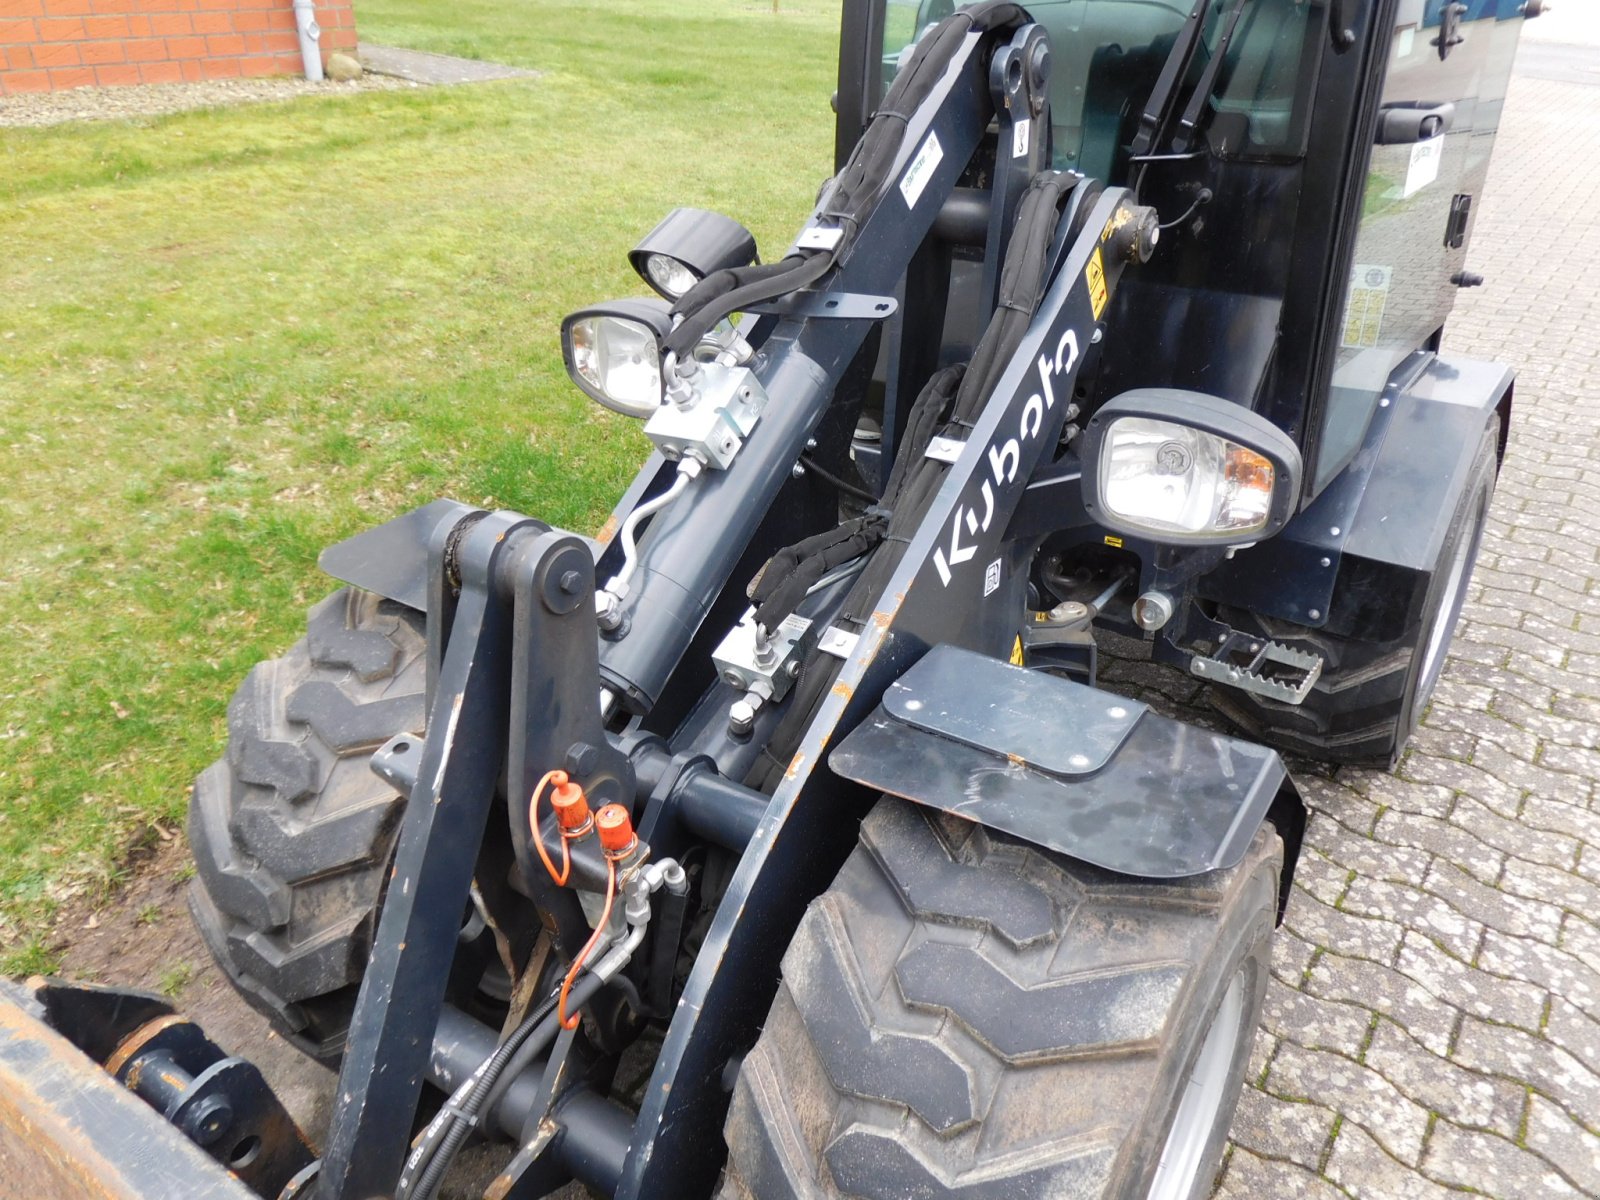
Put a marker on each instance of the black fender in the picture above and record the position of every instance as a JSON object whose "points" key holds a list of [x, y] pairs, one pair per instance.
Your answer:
{"points": [[1071, 768], [1370, 541], [392, 559]]}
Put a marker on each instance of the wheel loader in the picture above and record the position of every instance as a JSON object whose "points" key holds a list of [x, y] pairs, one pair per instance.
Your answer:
{"points": [[793, 795]]}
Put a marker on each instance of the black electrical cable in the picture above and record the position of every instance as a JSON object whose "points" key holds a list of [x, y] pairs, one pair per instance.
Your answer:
{"points": [[837, 482], [1203, 197]]}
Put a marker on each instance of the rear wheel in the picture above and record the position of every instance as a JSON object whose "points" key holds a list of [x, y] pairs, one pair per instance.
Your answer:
{"points": [[1372, 695], [964, 1016], [291, 831]]}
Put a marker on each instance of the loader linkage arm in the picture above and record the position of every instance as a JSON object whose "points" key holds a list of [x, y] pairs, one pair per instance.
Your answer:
{"points": [[514, 673]]}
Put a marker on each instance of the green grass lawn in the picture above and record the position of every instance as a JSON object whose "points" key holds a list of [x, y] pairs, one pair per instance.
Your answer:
{"points": [[230, 337]]}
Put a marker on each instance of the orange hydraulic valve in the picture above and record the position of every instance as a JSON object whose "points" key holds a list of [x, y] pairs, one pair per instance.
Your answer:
{"points": [[617, 838], [572, 815], [617, 842], [571, 807]]}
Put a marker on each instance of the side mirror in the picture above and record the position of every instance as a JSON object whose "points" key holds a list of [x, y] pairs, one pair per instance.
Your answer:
{"points": [[1408, 121]]}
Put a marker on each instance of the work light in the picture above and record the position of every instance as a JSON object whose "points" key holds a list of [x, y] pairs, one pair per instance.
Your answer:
{"points": [[613, 352], [688, 245], [1182, 467]]}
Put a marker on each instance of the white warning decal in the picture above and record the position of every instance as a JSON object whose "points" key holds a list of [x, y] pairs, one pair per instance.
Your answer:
{"points": [[1019, 138], [1424, 167], [921, 170]]}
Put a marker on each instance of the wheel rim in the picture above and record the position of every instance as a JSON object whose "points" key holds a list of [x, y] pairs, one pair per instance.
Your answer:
{"points": [[1203, 1098], [1454, 597]]}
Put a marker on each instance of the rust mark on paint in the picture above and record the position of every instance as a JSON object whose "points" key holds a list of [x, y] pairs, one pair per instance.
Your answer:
{"points": [[608, 530]]}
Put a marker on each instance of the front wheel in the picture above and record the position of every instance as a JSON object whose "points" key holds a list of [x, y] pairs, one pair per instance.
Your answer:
{"points": [[965, 1016]]}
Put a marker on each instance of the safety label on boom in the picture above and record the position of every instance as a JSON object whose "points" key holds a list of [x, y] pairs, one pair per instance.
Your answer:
{"points": [[1095, 273], [921, 170]]}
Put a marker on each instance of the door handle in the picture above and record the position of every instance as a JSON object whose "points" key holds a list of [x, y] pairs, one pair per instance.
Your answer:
{"points": [[1406, 121]]}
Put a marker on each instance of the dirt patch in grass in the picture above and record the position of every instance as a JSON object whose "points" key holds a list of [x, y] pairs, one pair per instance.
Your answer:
{"points": [[144, 938]]}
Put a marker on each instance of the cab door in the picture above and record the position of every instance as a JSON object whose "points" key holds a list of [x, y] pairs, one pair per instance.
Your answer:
{"points": [[1449, 63]]}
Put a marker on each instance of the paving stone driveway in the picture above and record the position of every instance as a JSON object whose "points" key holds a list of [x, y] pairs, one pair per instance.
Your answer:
{"points": [[1433, 1021]]}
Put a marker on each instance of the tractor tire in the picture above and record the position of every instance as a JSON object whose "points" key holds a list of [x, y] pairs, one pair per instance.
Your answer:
{"points": [[965, 1016], [1371, 696], [291, 831]]}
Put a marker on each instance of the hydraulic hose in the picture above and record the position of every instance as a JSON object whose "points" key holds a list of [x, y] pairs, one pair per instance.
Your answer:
{"points": [[442, 1140], [915, 479]]}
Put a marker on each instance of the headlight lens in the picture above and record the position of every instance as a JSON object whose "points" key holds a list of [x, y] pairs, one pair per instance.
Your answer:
{"points": [[1169, 478], [669, 276], [618, 362]]}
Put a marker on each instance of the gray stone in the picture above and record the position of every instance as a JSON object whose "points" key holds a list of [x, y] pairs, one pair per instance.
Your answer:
{"points": [[342, 68], [1248, 1177], [1280, 1129], [1360, 1093], [1361, 1167], [1491, 1164], [1465, 1097]]}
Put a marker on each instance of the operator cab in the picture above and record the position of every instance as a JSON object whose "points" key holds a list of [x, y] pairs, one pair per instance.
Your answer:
{"points": [[1315, 225]]}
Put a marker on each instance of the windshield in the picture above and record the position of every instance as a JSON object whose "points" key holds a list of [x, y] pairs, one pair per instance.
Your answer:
{"points": [[1106, 56]]}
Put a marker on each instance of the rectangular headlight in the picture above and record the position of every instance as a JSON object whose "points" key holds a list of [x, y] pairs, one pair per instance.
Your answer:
{"points": [[613, 352], [1182, 467]]}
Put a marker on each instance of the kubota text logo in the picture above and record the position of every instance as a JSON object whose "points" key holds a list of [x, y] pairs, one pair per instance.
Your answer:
{"points": [[1005, 458]]}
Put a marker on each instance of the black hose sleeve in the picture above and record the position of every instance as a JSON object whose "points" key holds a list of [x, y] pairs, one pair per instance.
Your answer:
{"points": [[789, 587], [857, 188], [928, 412], [802, 272]]}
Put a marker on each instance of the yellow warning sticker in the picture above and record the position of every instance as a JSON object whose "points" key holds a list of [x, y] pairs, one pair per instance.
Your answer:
{"points": [[1016, 652], [1095, 273], [1112, 540]]}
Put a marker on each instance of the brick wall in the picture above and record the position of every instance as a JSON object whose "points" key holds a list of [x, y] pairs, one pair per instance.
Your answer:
{"points": [[48, 44]]}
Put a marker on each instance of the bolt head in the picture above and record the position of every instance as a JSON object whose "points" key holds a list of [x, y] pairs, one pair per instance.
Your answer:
{"points": [[571, 582]]}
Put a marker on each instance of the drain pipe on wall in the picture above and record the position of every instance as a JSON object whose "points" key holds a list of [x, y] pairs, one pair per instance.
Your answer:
{"points": [[305, 20]]}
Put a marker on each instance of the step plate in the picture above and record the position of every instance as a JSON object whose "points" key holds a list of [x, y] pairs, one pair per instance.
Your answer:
{"points": [[1247, 663]]}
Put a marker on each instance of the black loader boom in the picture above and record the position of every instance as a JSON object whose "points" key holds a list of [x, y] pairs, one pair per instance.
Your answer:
{"points": [[1119, 322]]}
